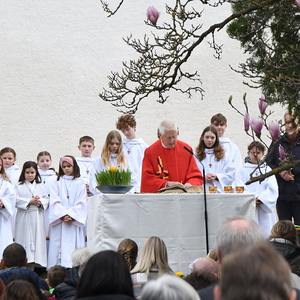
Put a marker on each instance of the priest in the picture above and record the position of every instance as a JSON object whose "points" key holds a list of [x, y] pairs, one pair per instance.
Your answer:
{"points": [[167, 163]]}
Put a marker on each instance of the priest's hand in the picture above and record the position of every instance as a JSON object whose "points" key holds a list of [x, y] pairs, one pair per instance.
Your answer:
{"points": [[171, 183], [187, 184], [1, 203]]}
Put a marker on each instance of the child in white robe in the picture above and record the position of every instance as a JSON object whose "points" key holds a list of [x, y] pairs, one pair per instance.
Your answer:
{"points": [[7, 205], [48, 176], [13, 172], [133, 147], [67, 213], [112, 156], [85, 161], [219, 170], [266, 191], [31, 201]]}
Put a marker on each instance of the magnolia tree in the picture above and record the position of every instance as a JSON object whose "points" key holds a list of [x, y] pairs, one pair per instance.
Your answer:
{"points": [[267, 29], [253, 127]]}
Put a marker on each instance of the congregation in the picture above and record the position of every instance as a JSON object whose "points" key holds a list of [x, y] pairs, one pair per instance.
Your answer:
{"points": [[37, 203]]}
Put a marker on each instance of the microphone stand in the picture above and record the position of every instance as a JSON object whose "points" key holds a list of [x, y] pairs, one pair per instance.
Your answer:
{"points": [[205, 200]]}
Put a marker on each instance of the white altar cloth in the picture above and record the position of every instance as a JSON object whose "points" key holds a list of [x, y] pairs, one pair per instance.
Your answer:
{"points": [[176, 218]]}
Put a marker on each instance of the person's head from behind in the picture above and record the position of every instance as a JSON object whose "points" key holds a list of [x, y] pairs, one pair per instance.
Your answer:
{"points": [[86, 146], [127, 125], [80, 256], [56, 275], [284, 229], [14, 255], [27, 278], [168, 133], [220, 123], [106, 272], [237, 233], [168, 287], [20, 290], [258, 272], [129, 249], [256, 151], [68, 166], [153, 253]]}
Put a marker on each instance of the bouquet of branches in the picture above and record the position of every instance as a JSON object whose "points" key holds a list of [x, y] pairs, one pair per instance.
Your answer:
{"points": [[113, 176]]}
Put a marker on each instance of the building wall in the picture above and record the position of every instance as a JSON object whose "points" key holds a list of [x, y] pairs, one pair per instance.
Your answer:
{"points": [[56, 56]]}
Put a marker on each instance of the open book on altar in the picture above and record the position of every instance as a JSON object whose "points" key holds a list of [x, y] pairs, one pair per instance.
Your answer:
{"points": [[179, 188]]}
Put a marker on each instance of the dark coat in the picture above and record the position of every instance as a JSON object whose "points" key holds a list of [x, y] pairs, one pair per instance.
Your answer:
{"points": [[107, 297], [5, 274], [67, 289], [288, 190]]}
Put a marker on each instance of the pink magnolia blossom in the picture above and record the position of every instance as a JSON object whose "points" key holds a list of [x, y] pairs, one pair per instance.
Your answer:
{"points": [[257, 125], [274, 130], [297, 2], [152, 15], [281, 152], [246, 121], [262, 104]]}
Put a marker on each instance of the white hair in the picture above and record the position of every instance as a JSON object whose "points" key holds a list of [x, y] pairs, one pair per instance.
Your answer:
{"points": [[166, 125], [80, 256], [168, 287]]}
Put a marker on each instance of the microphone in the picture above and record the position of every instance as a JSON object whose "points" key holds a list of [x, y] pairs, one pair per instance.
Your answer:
{"points": [[205, 200], [190, 151]]}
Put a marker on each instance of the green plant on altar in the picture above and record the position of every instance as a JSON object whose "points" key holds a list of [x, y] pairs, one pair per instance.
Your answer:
{"points": [[113, 176]]}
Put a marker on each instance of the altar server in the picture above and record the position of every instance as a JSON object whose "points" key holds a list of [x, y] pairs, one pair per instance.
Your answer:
{"points": [[134, 147], [266, 191], [31, 202], [67, 213], [112, 155], [85, 161], [48, 176], [219, 170], [9, 158], [7, 205]]}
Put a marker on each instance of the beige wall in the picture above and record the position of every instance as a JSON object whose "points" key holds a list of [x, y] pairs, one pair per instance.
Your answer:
{"points": [[55, 58]]}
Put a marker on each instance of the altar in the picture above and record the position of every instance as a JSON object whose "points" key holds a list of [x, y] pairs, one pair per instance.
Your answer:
{"points": [[176, 218]]}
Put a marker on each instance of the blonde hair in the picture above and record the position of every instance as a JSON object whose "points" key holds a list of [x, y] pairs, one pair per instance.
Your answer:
{"points": [[105, 155], [153, 254]]}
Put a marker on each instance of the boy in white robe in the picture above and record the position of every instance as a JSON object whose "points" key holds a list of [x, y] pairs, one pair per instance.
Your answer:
{"points": [[133, 147], [232, 151], [266, 191], [85, 161]]}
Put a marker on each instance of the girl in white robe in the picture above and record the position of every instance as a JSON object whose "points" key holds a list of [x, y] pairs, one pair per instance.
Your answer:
{"points": [[7, 205], [112, 156], [219, 170], [48, 176], [266, 191], [67, 213], [31, 202], [13, 172]]}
